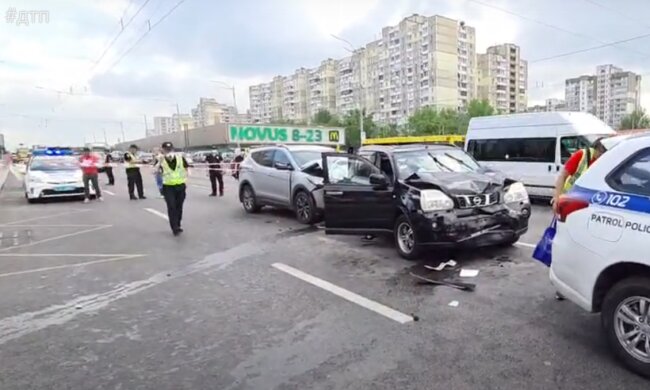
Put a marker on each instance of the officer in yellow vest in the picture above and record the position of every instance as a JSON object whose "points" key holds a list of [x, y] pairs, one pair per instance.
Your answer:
{"points": [[575, 166], [133, 175], [174, 175]]}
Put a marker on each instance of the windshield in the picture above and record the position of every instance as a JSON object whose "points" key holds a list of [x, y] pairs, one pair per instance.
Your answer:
{"points": [[434, 161], [54, 164], [303, 157]]}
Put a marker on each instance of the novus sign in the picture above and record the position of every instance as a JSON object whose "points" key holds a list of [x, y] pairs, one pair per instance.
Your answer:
{"points": [[273, 134]]}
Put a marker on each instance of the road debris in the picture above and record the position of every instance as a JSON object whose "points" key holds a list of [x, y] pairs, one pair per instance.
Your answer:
{"points": [[468, 273], [454, 303], [441, 266], [454, 284]]}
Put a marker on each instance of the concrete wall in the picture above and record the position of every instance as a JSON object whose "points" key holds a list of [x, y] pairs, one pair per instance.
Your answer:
{"points": [[197, 138]]}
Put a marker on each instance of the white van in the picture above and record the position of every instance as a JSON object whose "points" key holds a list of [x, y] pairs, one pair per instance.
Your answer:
{"points": [[532, 147]]}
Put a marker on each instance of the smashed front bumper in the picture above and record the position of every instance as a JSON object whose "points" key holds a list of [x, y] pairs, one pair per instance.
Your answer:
{"points": [[471, 228]]}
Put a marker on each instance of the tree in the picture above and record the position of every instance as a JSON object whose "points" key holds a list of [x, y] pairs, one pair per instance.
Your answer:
{"points": [[637, 119], [428, 120], [353, 128], [480, 108], [324, 118]]}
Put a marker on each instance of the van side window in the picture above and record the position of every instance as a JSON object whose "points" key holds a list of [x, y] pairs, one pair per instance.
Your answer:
{"points": [[634, 176], [513, 149], [569, 145]]}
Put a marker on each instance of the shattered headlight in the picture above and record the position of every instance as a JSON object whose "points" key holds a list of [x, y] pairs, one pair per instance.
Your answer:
{"points": [[434, 200], [516, 193]]}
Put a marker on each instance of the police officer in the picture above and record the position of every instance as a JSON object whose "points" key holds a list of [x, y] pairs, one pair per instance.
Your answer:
{"points": [[174, 176], [108, 169], [133, 175], [215, 161]]}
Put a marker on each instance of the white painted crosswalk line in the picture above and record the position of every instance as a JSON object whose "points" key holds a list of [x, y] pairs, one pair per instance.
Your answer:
{"points": [[158, 213]]}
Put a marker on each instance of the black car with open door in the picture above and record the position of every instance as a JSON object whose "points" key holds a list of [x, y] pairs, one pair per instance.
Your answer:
{"points": [[426, 196]]}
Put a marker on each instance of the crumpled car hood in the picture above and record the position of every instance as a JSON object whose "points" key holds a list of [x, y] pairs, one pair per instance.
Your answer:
{"points": [[454, 183]]}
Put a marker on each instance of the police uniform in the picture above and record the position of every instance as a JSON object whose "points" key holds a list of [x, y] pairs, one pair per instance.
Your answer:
{"points": [[214, 161], [133, 175], [174, 177]]}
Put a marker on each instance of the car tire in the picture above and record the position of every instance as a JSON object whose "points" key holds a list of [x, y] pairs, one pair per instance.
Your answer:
{"points": [[405, 239], [305, 208], [624, 294], [249, 200]]}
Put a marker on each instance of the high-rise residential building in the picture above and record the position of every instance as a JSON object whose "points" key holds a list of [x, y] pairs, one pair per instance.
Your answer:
{"points": [[610, 94], [422, 61], [162, 125], [580, 94], [209, 112], [503, 78], [550, 105], [185, 121], [322, 88]]}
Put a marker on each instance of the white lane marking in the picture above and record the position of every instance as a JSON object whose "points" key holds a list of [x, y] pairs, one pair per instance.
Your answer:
{"points": [[109, 192], [45, 217], [527, 245], [200, 186], [49, 226], [18, 175], [158, 213], [345, 294], [67, 254], [56, 238], [45, 269]]}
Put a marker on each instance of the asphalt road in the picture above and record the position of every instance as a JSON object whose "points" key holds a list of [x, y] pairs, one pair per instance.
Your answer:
{"points": [[102, 296]]}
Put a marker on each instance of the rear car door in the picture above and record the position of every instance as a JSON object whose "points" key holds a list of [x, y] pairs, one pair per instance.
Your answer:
{"points": [[261, 172], [280, 178], [352, 204]]}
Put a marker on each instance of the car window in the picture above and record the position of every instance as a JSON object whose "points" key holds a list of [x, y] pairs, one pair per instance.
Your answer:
{"points": [[383, 162], [263, 157], [513, 149], [569, 145], [280, 156], [346, 169], [54, 164], [434, 161], [634, 176]]}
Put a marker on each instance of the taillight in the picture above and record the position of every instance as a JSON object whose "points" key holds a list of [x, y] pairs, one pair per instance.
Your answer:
{"points": [[567, 205]]}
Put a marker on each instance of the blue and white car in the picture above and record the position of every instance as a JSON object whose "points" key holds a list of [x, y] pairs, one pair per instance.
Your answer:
{"points": [[601, 250], [53, 174]]}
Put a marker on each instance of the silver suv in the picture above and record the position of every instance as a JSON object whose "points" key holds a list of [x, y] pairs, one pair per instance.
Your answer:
{"points": [[286, 176]]}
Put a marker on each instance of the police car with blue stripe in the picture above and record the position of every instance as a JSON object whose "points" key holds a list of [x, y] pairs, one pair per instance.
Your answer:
{"points": [[53, 173], [601, 250]]}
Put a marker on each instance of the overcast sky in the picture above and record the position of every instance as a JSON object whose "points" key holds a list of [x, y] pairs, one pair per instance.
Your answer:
{"points": [[244, 42]]}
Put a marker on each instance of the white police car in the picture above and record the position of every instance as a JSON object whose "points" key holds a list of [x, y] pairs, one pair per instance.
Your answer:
{"points": [[53, 173], [601, 251]]}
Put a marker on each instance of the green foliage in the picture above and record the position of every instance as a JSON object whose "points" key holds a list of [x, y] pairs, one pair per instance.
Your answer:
{"points": [[480, 108], [430, 121], [635, 120], [353, 128], [325, 118]]}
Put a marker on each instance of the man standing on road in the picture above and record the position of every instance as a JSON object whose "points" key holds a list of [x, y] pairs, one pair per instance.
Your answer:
{"points": [[215, 172], [90, 168], [108, 168], [133, 174], [174, 174]]}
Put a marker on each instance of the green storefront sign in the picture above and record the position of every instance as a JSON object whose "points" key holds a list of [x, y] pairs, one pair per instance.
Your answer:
{"points": [[272, 134]]}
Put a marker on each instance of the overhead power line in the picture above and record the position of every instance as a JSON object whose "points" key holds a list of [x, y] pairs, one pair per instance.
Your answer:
{"points": [[151, 27], [619, 13], [542, 23], [570, 53]]}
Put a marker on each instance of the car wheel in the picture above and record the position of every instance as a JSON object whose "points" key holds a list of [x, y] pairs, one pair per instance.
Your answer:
{"points": [[249, 200], [305, 208], [626, 321], [30, 201], [405, 239]]}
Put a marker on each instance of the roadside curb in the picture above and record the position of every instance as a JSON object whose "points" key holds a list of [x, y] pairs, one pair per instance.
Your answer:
{"points": [[4, 174]]}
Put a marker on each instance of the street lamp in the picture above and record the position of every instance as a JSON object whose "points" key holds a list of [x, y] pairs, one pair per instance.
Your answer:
{"points": [[229, 87], [352, 49]]}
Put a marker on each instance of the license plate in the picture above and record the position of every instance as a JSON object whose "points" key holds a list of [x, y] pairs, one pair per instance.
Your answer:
{"points": [[64, 188]]}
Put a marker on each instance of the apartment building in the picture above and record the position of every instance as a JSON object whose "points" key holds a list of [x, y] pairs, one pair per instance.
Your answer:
{"points": [[503, 78], [209, 112], [294, 96], [162, 125], [185, 121], [321, 88], [266, 101], [549, 106], [610, 94]]}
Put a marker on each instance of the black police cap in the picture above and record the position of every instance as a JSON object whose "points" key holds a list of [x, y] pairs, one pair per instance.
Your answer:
{"points": [[167, 145]]}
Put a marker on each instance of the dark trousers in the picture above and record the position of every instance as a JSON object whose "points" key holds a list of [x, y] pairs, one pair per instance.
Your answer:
{"points": [[174, 197], [216, 176], [94, 179], [109, 174], [134, 179]]}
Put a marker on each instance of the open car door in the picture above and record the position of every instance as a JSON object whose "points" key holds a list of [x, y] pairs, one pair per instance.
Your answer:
{"points": [[358, 197]]}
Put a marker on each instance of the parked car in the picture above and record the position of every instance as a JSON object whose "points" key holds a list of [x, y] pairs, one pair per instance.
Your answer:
{"points": [[287, 176], [52, 174], [425, 196], [600, 253], [145, 157]]}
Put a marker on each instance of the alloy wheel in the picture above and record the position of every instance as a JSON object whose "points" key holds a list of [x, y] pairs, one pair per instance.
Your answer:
{"points": [[632, 326]]}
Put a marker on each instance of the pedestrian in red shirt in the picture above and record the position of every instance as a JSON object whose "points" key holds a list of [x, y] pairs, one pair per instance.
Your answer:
{"points": [[90, 168]]}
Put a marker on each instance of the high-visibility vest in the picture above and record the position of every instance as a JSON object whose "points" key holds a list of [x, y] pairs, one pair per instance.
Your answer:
{"points": [[173, 177], [131, 163], [587, 155]]}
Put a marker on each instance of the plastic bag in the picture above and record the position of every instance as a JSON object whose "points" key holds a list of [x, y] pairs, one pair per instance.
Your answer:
{"points": [[543, 249]]}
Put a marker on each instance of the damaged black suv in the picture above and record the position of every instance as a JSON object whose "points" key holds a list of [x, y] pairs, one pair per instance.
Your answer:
{"points": [[426, 196]]}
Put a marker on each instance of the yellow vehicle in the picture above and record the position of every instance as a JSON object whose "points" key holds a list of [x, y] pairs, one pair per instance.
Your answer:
{"points": [[458, 140], [22, 155]]}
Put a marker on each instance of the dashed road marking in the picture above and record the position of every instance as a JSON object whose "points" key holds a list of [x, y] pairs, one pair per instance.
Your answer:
{"points": [[345, 294], [525, 244], [109, 192], [158, 213], [45, 217], [57, 237], [45, 269]]}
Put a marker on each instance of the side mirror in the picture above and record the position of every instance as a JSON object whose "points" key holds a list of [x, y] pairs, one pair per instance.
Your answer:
{"points": [[280, 166], [378, 181]]}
